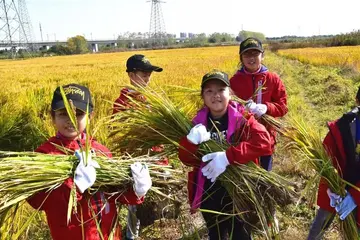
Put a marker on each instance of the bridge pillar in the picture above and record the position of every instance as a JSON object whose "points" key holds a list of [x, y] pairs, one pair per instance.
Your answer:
{"points": [[94, 47]]}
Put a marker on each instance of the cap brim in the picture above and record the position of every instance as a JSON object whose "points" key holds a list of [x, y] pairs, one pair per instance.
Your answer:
{"points": [[79, 105], [153, 68], [222, 80], [157, 69], [147, 69], [252, 48]]}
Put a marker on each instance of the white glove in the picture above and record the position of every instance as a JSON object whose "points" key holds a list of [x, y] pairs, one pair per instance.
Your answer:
{"points": [[198, 134], [142, 179], [258, 109], [85, 176], [216, 167]]}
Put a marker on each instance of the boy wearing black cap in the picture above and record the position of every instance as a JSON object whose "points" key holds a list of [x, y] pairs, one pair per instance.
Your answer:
{"points": [[271, 96], [221, 120], [139, 70], [82, 224]]}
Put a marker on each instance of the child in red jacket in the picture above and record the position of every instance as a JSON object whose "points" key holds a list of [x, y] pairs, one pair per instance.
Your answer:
{"points": [[270, 99], [139, 70], [55, 202], [343, 145], [251, 141]]}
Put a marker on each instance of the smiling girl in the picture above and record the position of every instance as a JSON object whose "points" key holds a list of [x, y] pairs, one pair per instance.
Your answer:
{"points": [[221, 120], [271, 95]]}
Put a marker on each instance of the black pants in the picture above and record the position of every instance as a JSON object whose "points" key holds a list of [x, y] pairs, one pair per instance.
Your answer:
{"points": [[266, 162], [220, 227]]}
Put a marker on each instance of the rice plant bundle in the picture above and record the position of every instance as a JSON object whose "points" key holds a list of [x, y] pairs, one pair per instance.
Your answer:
{"points": [[26, 173], [306, 141], [160, 121]]}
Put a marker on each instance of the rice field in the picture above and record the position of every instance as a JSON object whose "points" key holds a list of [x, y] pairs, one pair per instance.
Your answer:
{"points": [[26, 88], [348, 56]]}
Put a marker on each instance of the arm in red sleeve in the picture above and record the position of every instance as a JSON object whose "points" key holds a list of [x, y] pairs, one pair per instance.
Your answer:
{"points": [[187, 152], [37, 201], [120, 104], [129, 197], [255, 142], [331, 148], [43, 199], [323, 200], [334, 152], [278, 105]]}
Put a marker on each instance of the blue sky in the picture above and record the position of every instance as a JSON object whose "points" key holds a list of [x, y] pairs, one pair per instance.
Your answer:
{"points": [[104, 19]]}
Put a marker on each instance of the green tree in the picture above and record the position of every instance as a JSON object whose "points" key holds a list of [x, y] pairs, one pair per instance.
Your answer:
{"points": [[77, 45], [245, 34], [59, 50]]}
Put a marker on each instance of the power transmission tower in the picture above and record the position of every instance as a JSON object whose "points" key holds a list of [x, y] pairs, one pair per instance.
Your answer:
{"points": [[157, 24], [15, 26]]}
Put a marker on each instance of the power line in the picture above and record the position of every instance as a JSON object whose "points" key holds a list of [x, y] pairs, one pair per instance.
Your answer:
{"points": [[15, 26]]}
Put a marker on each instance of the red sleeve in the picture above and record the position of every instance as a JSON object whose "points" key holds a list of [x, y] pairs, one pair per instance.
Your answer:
{"points": [[187, 152], [43, 199], [323, 200], [120, 104], [129, 197], [333, 151], [278, 105], [37, 201], [330, 146], [336, 155], [255, 142]]}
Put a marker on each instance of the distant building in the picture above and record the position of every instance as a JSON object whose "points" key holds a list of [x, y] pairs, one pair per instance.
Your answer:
{"points": [[183, 35]]}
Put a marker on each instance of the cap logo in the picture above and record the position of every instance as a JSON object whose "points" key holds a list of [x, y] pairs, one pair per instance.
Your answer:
{"points": [[145, 60], [75, 91], [251, 41]]}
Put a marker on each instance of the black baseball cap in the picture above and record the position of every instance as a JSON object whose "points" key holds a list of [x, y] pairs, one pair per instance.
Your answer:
{"points": [[139, 62], [251, 43], [79, 95], [219, 75]]}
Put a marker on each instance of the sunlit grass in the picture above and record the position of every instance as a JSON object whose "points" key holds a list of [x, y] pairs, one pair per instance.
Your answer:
{"points": [[348, 56]]}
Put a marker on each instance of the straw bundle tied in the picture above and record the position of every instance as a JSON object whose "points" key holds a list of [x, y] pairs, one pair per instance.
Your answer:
{"points": [[26, 173], [307, 142], [159, 121]]}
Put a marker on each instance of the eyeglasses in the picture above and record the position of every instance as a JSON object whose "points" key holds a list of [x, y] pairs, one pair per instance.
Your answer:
{"points": [[249, 54]]}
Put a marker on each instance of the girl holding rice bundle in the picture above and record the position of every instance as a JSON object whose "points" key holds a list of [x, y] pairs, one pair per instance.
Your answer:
{"points": [[221, 120], [96, 213]]}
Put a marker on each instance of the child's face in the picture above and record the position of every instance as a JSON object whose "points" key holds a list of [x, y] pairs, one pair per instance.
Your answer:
{"points": [[216, 96], [140, 78], [251, 60], [63, 123]]}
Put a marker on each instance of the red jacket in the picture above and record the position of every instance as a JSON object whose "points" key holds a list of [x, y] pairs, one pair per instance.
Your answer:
{"points": [[55, 204], [254, 141], [273, 93], [123, 103], [334, 143]]}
